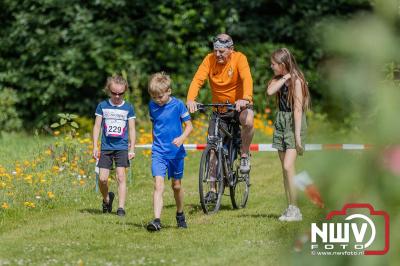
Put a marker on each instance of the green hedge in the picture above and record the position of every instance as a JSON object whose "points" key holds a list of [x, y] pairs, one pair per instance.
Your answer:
{"points": [[57, 54], [9, 119]]}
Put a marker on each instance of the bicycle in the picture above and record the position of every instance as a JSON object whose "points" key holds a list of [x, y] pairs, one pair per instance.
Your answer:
{"points": [[220, 163]]}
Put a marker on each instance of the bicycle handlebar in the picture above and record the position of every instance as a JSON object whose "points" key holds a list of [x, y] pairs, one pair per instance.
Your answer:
{"points": [[228, 106]]}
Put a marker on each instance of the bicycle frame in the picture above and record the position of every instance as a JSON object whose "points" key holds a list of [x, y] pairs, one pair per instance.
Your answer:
{"points": [[225, 157], [219, 166]]}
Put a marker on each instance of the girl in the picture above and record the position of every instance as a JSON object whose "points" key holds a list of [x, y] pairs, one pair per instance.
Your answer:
{"points": [[290, 125]]}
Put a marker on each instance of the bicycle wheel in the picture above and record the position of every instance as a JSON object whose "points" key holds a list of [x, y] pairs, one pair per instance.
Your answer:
{"points": [[210, 165], [240, 188]]}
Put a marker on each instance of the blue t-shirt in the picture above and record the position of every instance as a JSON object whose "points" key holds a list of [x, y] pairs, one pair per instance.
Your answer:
{"points": [[167, 125], [115, 124]]}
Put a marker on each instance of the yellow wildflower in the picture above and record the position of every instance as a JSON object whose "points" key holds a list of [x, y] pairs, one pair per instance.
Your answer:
{"points": [[29, 204], [28, 179], [18, 170]]}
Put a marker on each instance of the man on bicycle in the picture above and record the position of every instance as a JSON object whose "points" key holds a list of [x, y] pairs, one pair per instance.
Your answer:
{"points": [[230, 79]]}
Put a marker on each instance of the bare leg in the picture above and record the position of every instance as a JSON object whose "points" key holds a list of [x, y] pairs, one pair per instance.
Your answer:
{"points": [[246, 119], [158, 196], [121, 178], [178, 194], [103, 183], [285, 182], [289, 169]]}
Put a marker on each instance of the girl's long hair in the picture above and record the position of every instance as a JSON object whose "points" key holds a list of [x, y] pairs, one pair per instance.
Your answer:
{"points": [[283, 56]]}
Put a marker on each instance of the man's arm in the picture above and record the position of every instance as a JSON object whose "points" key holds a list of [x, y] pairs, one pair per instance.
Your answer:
{"points": [[245, 75], [198, 81], [132, 138]]}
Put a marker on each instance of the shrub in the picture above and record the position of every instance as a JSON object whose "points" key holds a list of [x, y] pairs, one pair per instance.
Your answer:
{"points": [[9, 119]]}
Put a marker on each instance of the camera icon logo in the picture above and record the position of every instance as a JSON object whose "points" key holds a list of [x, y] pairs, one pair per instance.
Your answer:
{"points": [[350, 231]]}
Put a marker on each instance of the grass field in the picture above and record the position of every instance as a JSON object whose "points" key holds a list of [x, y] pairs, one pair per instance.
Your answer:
{"points": [[68, 227]]}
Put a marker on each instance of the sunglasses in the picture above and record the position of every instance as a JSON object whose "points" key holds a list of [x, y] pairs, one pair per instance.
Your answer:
{"points": [[117, 94]]}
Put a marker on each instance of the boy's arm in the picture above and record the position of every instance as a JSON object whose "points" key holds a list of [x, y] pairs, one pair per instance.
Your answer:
{"points": [[132, 138], [96, 133], [188, 128]]}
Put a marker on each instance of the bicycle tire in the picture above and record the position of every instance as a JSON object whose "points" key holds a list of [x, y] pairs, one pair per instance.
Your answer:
{"points": [[208, 206], [240, 189]]}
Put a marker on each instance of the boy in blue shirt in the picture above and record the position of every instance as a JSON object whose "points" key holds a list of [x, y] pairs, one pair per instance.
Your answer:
{"points": [[167, 114], [117, 119]]}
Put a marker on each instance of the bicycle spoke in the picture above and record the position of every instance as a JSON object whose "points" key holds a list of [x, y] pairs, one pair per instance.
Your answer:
{"points": [[210, 188]]}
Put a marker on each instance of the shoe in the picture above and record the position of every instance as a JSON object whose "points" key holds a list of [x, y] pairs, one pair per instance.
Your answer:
{"points": [[120, 212], [291, 214], [295, 215], [245, 165], [284, 214], [180, 220], [107, 207], [211, 197], [154, 225]]}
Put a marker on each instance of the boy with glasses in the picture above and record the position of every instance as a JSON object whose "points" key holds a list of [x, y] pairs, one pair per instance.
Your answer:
{"points": [[117, 119]]}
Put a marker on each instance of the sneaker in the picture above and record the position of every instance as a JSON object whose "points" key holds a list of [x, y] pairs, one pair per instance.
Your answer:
{"points": [[284, 214], [120, 212], [154, 225], [107, 207], [291, 214], [211, 197], [180, 220], [295, 215], [245, 165]]}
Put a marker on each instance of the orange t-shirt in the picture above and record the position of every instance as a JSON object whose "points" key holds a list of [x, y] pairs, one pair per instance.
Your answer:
{"points": [[229, 82]]}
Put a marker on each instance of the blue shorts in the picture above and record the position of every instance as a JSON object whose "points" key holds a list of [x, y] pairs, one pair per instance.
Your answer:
{"points": [[159, 167]]}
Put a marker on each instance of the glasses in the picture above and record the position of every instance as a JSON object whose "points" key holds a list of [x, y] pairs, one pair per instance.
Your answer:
{"points": [[116, 93]]}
